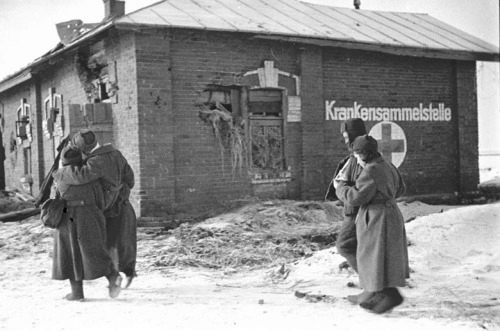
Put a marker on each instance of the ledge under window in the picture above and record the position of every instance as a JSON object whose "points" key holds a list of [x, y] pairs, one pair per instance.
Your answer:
{"points": [[268, 178]]}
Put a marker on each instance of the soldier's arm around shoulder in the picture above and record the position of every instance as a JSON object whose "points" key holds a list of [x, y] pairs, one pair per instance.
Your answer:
{"points": [[361, 193], [93, 169]]}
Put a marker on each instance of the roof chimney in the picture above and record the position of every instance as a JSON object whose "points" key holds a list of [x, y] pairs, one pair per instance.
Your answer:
{"points": [[113, 9], [357, 4]]}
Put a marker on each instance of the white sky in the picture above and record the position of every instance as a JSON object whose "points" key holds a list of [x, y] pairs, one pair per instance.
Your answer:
{"points": [[27, 31]]}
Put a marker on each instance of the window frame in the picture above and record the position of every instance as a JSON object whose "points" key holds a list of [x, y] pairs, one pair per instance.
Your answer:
{"points": [[262, 175]]}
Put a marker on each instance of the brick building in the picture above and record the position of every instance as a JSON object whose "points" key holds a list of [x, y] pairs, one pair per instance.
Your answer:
{"points": [[217, 100]]}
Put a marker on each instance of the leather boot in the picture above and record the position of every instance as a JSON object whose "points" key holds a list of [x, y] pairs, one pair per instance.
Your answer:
{"points": [[76, 291], [361, 297], [391, 299], [115, 281]]}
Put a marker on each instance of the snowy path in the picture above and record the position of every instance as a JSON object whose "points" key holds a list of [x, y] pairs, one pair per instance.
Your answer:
{"points": [[455, 256]]}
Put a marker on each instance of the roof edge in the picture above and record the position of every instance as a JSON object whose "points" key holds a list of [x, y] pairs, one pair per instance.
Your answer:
{"points": [[391, 49], [12, 80], [25, 73], [15, 79]]}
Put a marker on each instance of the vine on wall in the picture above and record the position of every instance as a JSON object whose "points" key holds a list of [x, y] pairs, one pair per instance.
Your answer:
{"points": [[267, 148], [228, 133]]}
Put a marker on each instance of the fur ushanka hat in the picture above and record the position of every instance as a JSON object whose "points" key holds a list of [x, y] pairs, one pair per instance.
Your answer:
{"points": [[84, 140], [71, 155], [366, 144]]}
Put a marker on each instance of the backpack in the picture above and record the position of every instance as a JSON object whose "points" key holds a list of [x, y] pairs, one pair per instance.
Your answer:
{"points": [[52, 211]]}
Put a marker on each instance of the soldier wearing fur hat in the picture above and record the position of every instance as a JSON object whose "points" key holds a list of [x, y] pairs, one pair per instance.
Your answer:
{"points": [[107, 164], [80, 251], [346, 241], [382, 253]]}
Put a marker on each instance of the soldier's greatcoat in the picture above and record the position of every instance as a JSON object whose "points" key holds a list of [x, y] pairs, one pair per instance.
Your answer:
{"points": [[382, 253], [122, 232], [108, 165], [80, 251]]}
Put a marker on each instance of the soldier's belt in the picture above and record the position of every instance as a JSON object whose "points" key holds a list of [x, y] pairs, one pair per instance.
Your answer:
{"points": [[76, 203], [386, 202]]}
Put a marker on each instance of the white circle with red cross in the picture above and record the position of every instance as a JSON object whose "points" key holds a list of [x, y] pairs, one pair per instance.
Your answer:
{"points": [[391, 141]]}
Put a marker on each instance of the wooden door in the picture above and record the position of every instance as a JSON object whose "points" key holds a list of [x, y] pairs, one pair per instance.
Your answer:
{"points": [[97, 117]]}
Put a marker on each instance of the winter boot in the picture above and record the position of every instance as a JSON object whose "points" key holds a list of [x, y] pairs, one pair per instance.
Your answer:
{"points": [[370, 302], [76, 291], [391, 299], [344, 265], [361, 297], [115, 281]]}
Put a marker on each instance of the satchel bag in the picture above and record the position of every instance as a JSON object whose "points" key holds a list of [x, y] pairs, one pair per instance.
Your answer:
{"points": [[52, 212]]}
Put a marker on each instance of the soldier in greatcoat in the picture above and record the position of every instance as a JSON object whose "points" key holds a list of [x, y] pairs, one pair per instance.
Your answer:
{"points": [[382, 254], [80, 251], [108, 165]]}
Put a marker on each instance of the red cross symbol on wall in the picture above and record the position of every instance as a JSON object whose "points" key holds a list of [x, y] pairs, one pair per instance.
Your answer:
{"points": [[387, 145]]}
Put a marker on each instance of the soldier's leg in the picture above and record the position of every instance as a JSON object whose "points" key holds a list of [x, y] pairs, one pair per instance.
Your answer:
{"points": [[347, 242], [127, 244], [112, 238], [76, 291]]}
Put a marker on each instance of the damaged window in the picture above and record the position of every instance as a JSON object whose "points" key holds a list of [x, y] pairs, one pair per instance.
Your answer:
{"points": [[101, 84], [250, 125], [265, 110], [221, 108], [91, 63], [226, 96]]}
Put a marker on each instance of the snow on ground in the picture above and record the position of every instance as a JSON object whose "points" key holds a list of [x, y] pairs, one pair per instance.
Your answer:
{"points": [[454, 285]]}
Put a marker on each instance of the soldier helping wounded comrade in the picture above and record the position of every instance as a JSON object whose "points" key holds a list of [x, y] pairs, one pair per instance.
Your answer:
{"points": [[347, 242], [382, 253], [80, 251], [109, 166]]}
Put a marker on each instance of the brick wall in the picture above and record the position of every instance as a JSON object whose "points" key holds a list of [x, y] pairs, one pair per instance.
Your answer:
{"points": [[120, 48], [381, 80], [185, 170], [467, 126], [14, 160], [313, 123], [61, 76], [156, 124]]}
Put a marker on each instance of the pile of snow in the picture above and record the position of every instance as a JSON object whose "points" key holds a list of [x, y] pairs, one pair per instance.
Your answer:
{"points": [[455, 268]]}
